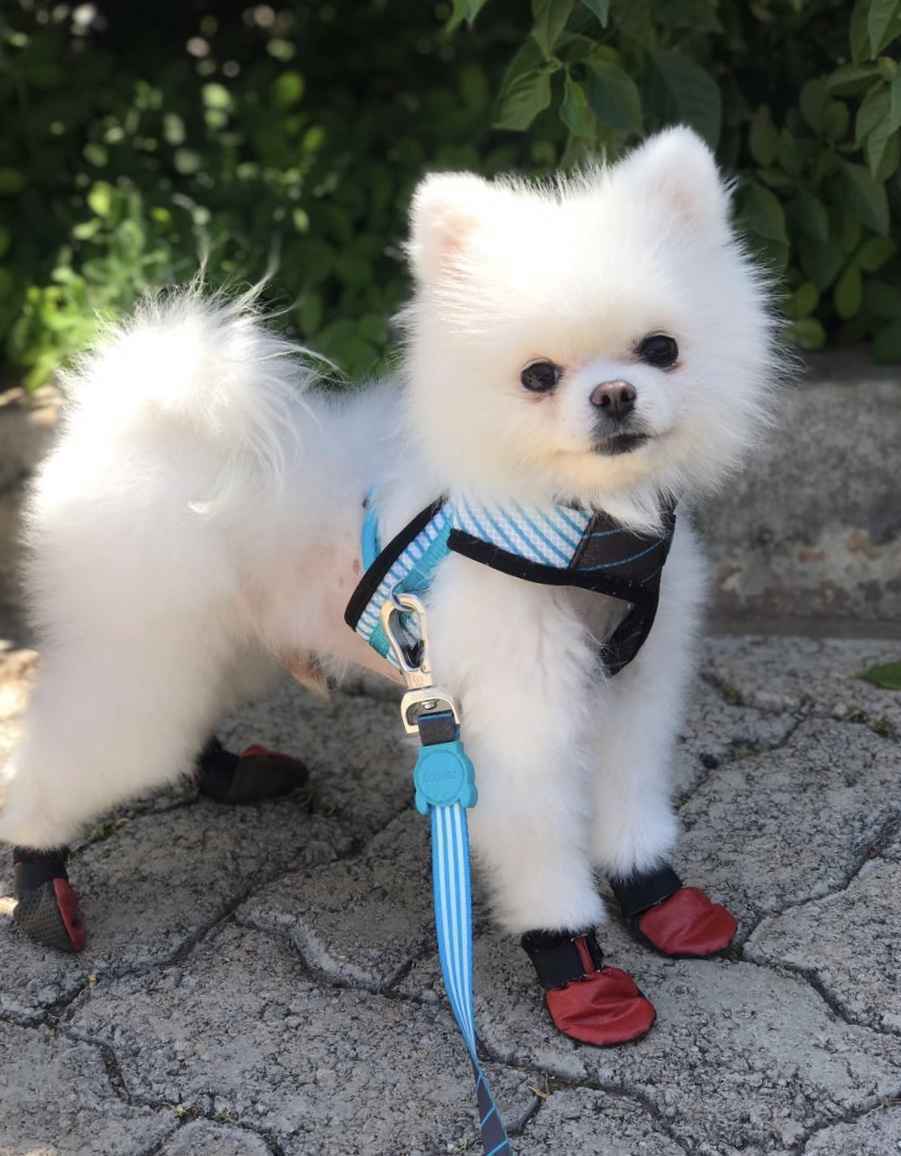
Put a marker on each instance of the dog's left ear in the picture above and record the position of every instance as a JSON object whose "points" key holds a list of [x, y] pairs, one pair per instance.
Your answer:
{"points": [[446, 209], [678, 168]]}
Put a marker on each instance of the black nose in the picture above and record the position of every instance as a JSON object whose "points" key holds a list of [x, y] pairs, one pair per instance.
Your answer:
{"points": [[615, 399]]}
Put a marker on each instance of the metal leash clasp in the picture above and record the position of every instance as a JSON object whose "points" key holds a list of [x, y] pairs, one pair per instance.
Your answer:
{"points": [[421, 696]]}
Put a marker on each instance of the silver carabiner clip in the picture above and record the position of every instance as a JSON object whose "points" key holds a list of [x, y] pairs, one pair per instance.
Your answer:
{"points": [[420, 675], [418, 678]]}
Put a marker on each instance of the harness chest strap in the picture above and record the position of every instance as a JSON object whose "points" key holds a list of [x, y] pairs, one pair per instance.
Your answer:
{"points": [[554, 545]]}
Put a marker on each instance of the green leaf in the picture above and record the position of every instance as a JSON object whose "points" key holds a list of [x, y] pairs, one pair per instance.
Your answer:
{"points": [[891, 157], [693, 94], [11, 182], [878, 151], [84, 230], [788, 154], [850, 79], [466, 10], [186, 161], [895, 102], [549, 19], [858, 35], [524, 98], [882, 300], [803, 301], [763, 138], [807, 333], [887, 676], [574, 110], [309, 313], [875, 128], [613, 96], [813, 99], [100, 198], [848, 295], [173, 129], [217, 96], [762, 214], [836, 120], [601, 9], [874, 253], [821, 262], [287, 89], [879, 19], [810, 216], [868, 196], [873, 111], [887, 344]]}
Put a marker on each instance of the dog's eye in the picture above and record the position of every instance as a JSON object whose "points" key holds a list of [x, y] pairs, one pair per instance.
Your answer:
{"points": [[658, 349], [540, 376]]}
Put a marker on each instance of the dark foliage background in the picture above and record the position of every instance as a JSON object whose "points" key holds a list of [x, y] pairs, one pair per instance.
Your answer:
{"points": [[137, 138]]}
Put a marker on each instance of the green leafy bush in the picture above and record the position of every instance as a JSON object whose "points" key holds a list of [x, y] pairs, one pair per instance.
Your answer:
{"points": [[140, 139], [800, 98]]}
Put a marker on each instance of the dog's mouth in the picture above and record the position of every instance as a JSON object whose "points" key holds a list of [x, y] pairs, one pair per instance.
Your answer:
{"points": [[623, 443]]}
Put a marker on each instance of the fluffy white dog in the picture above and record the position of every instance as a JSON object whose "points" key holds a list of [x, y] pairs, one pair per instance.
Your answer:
{"points": [[602, 344]]}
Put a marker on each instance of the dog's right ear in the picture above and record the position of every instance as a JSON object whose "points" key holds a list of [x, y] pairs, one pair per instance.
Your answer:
{"points": [[446, 209]]}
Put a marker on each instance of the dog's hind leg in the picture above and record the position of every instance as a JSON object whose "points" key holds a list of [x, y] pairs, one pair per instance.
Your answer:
{"points": [[110, 719]]}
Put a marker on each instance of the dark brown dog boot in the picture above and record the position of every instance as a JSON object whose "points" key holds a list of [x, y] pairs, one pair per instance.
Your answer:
{"points": [[253, 775], [47, 910]]}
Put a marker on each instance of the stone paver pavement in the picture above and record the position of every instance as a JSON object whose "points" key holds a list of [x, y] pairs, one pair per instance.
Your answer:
{"points": [[263, 981]]}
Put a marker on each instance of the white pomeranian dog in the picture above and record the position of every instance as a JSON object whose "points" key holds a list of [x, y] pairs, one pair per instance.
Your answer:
{"points": [[600, 344]]}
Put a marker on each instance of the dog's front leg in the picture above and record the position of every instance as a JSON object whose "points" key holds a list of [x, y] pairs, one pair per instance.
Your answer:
{"points": [[522, 664], [634, 830]]}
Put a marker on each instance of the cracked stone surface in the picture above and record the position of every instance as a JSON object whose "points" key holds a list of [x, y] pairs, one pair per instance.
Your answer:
{"points": [[594, 1124], [858, 957], [158, 882], [386, 891], [262, 980], [202, 1138], [715, 732], [56, 1100], [324, 1069], [742, 1058], [792, 824], [819, 675], [876, 1134]]}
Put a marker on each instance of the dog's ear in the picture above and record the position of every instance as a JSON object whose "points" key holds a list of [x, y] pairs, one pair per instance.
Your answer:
{"points": [[446, 209], [677, 168]]}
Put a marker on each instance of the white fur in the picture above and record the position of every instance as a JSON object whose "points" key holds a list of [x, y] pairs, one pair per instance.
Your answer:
{"points": [[198, 520]]}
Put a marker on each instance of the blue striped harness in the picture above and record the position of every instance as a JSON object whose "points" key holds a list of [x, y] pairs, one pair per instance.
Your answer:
{"points": [[557, 545]]}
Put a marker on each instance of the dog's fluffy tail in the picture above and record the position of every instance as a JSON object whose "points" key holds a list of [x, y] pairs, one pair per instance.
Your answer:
{"points": [[206, 361]]}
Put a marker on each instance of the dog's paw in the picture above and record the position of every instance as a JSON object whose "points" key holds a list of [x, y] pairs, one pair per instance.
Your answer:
{"points": [[47, 910], [687, 924], [674, 920], [588, 1002], [253, 775]]}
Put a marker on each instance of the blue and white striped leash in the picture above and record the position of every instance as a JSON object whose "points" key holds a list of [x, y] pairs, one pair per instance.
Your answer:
{"points": [[444, 779]]}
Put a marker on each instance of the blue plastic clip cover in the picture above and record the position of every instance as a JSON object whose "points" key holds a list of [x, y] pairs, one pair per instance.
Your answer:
{"points": [[443, 775]]}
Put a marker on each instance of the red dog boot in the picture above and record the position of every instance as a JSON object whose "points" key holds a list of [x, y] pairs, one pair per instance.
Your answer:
{"points": [[674, 920], [254, 775], [47, 909], [588, 1002]]}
